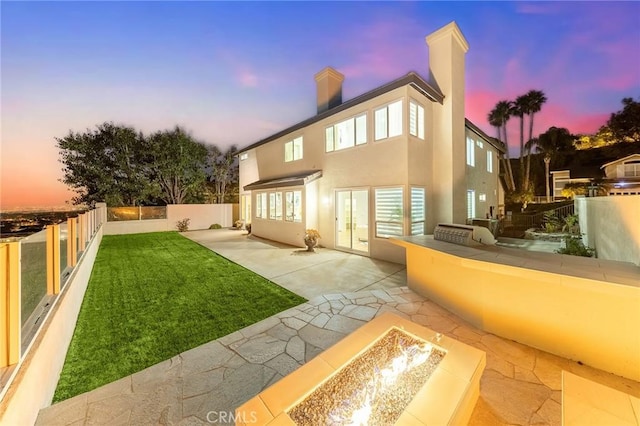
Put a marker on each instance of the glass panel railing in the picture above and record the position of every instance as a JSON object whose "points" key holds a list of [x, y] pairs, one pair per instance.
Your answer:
{"points": [[153, 212], [115, 214], [33, 267], [77, 237], [64, 274]]}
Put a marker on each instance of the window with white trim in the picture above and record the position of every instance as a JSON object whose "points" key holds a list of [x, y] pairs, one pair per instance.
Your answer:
{"points": [[417, 211], [346, 134], [293, 206], [490, 161], [275, 205], [480, 144], [261, 205], [293, 150], [388, 121], [471, 203], [482, 197], [471, 152], [244, 156], [389, 212], [416, 119]]}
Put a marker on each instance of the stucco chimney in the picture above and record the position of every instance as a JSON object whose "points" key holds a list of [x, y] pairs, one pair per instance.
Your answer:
{"points": [[447, 50], [329, 89]]}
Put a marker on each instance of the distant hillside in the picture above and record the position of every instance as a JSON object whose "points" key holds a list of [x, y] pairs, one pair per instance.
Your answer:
{"points": [[581, 163]]}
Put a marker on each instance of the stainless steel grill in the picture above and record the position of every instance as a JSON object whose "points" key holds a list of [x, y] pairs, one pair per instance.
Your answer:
{"points": [[465, 235]]}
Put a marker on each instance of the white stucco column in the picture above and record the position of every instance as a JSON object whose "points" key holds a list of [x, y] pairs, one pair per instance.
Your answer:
{"points": [[447, 49]]}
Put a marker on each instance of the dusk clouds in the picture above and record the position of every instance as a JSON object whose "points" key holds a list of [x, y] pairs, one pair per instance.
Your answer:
{"points": [[237, 72]]}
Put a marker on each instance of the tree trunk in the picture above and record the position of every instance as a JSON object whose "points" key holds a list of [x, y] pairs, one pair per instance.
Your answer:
{"points": [[528, 171], [522, 181], [547, 160], [510, 182]]}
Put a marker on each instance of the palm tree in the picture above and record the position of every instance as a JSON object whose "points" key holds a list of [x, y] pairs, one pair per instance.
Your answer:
{"points": [[498, 117], [548, 144], [518, 109], [534, 99]]}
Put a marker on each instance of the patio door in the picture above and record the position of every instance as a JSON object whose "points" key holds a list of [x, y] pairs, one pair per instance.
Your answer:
{"points": [[352, 220]]}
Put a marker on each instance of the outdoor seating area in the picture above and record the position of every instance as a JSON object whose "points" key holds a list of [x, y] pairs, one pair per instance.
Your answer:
{"points": [[520, 384]]}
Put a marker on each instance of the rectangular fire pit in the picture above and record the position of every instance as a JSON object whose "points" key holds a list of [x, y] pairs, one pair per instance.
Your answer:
{"points": [[389, 371]]}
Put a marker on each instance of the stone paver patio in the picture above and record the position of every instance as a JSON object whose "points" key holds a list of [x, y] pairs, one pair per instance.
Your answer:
{"points": [[520, 386]]}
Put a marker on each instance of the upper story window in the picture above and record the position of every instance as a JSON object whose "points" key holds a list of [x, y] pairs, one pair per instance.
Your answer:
{"points": [[480, 144], [388, 121], [490, 161], [244, 156], [471, 152], [630, 169], [416, 120], [346, 134], [293, 150]]}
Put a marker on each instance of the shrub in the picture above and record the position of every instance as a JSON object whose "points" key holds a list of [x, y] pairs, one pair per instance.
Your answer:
{"points": [[215, 226], [183, 225], [238, 224], [575, 247], [571, 225], [550, 222]]}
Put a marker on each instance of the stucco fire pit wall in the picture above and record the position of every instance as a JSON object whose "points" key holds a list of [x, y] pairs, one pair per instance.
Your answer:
{"points": [[448, 396]]}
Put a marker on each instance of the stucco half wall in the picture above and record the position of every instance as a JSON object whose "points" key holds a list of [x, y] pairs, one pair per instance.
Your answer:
{"points": [[611, 225], [201, 216], [588, 320]]}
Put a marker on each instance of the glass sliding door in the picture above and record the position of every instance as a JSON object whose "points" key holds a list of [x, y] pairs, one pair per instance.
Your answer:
{"points": [[352, 220]]}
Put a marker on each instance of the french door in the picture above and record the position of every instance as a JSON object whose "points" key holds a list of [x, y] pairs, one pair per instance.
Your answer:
{"points": [[352, 220]]}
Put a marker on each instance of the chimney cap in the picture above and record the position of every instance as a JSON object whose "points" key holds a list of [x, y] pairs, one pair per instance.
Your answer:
{"points": [[329, 72], [451, 29]]}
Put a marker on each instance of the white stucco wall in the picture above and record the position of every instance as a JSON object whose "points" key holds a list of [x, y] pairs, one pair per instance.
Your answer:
{"points": [[611, 225], [201, 216], [587, 320]]}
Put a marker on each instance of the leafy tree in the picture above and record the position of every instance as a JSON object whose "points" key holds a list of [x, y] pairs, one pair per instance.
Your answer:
{"points": [[176, 164], [625, 124], [604, 137], [104, 165], [223, 174], [498, 118]]}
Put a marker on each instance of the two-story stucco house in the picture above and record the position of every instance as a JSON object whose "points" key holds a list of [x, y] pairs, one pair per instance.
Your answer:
{"points": [[623, 175], [620, 177], [391, 162]]}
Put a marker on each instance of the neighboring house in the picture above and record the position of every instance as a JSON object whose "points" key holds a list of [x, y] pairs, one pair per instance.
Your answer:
{"points": [[621, 177], [561, 178], [391, 162]]}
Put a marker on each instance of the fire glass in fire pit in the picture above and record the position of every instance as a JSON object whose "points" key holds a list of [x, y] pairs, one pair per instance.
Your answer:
{"points": [[375, 387]]}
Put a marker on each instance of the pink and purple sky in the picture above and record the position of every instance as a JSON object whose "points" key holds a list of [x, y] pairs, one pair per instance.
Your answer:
{"points": [[233, 73]]}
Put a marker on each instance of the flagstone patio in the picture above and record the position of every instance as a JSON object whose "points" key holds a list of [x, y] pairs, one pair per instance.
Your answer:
{"points": [[520, 386]]}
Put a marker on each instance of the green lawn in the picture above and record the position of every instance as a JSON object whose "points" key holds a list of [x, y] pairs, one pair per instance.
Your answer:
{"points": [[152, 296]]}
